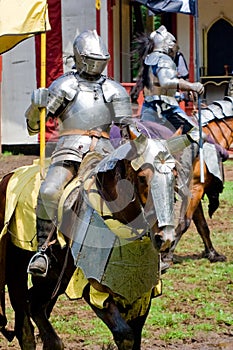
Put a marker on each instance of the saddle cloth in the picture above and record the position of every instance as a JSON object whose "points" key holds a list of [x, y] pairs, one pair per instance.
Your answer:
{"points": [[21, 200]]}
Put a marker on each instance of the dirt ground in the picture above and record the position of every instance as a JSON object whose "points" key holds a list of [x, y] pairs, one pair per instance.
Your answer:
{"points": [[209, 341]]}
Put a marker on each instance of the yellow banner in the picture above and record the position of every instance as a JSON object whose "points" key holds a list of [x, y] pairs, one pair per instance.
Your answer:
{"points": [[20, 19]]}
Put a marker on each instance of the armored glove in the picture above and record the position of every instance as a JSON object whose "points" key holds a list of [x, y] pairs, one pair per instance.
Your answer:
{"points": [[39, 100], [186, 86]]}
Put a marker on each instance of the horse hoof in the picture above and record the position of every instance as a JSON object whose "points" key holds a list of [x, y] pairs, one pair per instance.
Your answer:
{"points": [[9, 335], [164, 267], [218, 258], [214, 257]]}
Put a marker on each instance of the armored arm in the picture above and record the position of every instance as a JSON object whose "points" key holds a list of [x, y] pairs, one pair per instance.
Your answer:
{"points": [[115, 94], [168, 79], [55, 99], [187, 86], [42, 98], [39, 100]]}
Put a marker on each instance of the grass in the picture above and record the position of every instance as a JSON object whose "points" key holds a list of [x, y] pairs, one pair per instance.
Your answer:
{"points": [[7, 154], [197, 295]]}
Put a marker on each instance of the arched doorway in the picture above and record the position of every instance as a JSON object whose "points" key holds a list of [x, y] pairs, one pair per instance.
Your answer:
{"points": [[219, 48]]}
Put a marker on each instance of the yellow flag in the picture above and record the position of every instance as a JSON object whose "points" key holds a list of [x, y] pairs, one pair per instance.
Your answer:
{"points": [[20, 19]]}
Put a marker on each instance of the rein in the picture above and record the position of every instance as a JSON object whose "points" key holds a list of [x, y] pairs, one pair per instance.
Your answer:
{"points": [[21, 240], [55, 291]]}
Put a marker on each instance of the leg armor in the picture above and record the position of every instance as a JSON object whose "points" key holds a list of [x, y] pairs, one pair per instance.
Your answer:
{"points": [[58, 176]]}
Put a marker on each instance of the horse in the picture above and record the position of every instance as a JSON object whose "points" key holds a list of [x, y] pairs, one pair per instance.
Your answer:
{"points": [[211, 187], [220, 128], [124, 193]]}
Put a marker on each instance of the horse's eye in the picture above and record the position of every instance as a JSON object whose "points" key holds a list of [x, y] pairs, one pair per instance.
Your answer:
{"points": [[142, 179]]}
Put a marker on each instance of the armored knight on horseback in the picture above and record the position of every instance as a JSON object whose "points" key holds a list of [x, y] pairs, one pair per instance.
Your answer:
{"points": [[158, 78], [159, 81], [87, 103]]}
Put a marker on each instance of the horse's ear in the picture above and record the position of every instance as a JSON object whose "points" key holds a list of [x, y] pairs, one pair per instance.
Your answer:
{"points": [[132, 135], [178, 131]]}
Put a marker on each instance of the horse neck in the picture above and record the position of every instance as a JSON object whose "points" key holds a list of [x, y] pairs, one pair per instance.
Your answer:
{"points": [[221, 131]]}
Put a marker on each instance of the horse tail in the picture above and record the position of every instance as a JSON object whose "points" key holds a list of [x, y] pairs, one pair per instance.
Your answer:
{"points": [[143, 46]]}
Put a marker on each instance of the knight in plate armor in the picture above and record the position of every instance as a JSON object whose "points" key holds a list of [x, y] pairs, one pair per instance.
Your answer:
{"points": [[159, 81], [160, 84], [86, 103]]}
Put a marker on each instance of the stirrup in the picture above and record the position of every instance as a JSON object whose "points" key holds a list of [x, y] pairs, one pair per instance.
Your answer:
{"points": [[35, 257], [164, 267]]}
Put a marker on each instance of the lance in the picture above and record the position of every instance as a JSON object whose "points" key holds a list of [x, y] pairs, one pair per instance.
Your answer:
{"points": [[201, 157]]}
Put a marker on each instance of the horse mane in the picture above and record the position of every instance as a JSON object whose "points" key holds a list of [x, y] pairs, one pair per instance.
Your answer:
{"points": [[143, 46]]}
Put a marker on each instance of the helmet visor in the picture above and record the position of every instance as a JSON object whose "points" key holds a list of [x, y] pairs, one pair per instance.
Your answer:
{"points": [[94, 66]]}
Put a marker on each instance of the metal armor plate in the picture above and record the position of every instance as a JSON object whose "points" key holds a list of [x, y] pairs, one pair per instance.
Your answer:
{"points": [[128, 269], [216, 110], [226, 107], [160, 59], [228, 98], [88, 110], [206, 116]]}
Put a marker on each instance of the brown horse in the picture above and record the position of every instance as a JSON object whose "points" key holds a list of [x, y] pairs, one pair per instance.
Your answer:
{"points": [[113, 181], [221, 130]]}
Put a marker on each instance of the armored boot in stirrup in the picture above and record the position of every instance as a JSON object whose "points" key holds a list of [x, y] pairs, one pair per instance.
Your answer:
{"points": [[39, 263]]}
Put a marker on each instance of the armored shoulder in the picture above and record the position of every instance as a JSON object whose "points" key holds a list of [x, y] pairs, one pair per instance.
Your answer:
{"points": [[63, 89], [160, 60], [116, 94], [66, 85], [113, 90]]}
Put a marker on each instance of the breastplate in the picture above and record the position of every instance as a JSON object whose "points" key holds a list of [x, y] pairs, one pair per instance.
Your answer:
{"points": [[156, 89], [88, 110]]}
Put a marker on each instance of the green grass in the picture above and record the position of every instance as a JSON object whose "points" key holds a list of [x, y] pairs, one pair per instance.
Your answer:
{"points": [[6, 154], [197, 295]]}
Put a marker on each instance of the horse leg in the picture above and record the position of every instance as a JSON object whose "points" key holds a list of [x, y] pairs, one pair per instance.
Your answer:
{"points": [[17, 279], [8, 334], [124, 335], [44, 294], [203, 230], [137, 325], [40, 299], [185, 220]]}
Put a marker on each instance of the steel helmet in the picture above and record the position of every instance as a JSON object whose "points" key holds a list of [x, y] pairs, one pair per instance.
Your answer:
{"points": [[163, 40], [90, 53]]}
